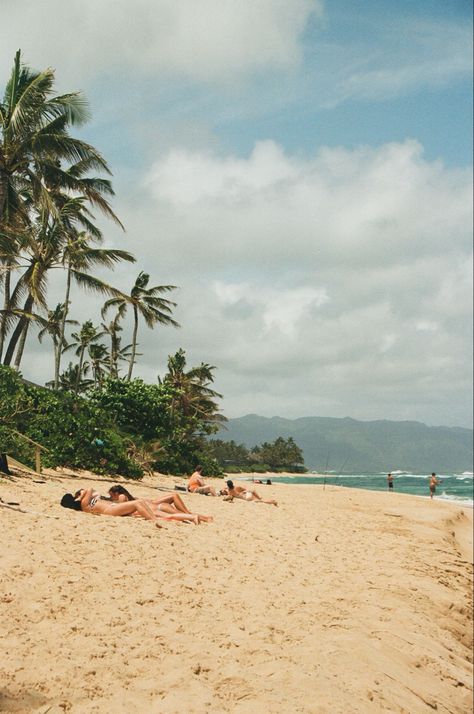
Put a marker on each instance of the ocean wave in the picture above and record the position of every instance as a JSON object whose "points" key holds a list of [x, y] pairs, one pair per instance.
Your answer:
{"points": [[468, 502]]}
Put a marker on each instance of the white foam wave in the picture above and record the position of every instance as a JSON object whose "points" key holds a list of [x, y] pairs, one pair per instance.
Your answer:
{"points": [[468, 502]]}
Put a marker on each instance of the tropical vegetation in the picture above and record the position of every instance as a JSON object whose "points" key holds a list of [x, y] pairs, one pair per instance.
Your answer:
{"points": [[92, 413], [277, 456]]}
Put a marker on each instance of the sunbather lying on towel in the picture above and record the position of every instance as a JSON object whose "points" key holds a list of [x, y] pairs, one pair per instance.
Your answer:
{"points": [[90, 501], [172, 505], [246, 494]]}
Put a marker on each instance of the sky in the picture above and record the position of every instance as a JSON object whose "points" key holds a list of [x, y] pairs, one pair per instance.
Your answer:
{"points": [[302, 171]]}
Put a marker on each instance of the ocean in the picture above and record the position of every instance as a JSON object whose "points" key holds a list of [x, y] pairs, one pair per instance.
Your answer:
{"points": [[453, 487]]}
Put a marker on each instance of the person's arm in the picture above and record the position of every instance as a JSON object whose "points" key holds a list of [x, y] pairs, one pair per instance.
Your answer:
{"points": [[86, 498]]}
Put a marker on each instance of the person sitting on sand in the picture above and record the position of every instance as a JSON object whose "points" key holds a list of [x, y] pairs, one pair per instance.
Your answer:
{"points": [[196, 484], [172, 505], [90, 501], [246, 494], [433, 483]]}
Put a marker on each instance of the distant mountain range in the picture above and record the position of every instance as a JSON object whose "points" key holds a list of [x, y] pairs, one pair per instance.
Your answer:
{"points": [[368, 446]]}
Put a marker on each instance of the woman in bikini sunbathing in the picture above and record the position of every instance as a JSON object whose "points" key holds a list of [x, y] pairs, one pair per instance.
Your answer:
{"points": [[172, 505], [246, 494], [90, 501]]}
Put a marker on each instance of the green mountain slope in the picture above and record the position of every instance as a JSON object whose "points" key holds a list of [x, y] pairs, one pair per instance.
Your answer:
{"points": [[351, 445]]}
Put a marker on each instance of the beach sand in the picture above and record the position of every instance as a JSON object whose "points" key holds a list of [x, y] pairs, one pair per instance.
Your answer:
{"points": [[336, 601]]}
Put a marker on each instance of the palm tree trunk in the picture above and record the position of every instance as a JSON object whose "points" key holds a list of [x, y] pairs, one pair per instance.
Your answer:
{"points": [[114, 356], [3, 196], [6, 306], [21, 345], [134, 342], [79, 369], [18, 331], [57, 359], [63, 326]]}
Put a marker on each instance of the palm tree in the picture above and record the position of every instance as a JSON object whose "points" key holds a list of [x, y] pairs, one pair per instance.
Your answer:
{"points": [[117, 352], [194, 396], [34, 138], [87, 335], [79, 257], [35, 180], [99, 361], [145, 302], [39, 248], [51, 243], [73, 380], [52, 327]]}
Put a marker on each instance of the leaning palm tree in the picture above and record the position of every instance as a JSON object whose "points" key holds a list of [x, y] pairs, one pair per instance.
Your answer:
{"points": [[146, 302], [49, 244], [34, 138]]}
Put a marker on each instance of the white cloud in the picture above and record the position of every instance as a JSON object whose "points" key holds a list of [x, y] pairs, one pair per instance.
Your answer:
{"points": [[207, 40], [369, 206], [280, 310], [336, 284]]}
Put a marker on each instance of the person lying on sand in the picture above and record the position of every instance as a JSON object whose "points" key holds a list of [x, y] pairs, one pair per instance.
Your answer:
{"points": [[196, 484], [246, 494], [90, 501], [172, 504]]}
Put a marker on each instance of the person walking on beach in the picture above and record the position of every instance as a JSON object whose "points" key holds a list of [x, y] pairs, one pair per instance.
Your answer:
{"points": [[390, 482], [433, 483], [196, 484]]}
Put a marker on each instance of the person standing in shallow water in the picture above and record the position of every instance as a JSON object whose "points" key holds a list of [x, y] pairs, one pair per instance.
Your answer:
{"points": [[434, 481], [390, 482]]}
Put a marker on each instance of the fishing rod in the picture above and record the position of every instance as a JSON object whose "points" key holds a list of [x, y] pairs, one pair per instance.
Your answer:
{"points": [[326, 471], [345, 462]]}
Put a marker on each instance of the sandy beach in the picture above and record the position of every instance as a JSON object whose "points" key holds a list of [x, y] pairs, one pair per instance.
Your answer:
{"points": [[337, 601]]}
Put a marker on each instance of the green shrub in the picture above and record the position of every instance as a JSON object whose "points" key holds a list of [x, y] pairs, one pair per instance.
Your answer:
{"points": [[259, 468]]}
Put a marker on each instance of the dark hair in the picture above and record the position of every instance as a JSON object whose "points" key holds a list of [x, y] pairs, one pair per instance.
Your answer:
{"points": [[269, 483], [121, 491], [198, 468], [68, 501], [230, 484]]}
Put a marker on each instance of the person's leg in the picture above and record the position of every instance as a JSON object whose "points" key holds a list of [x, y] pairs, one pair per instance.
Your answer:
{"points": [[270, 502], [204, 519], [173, 499], [130, 507], [179, 503], [165, 508], [182, 517], [206, 490]]}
